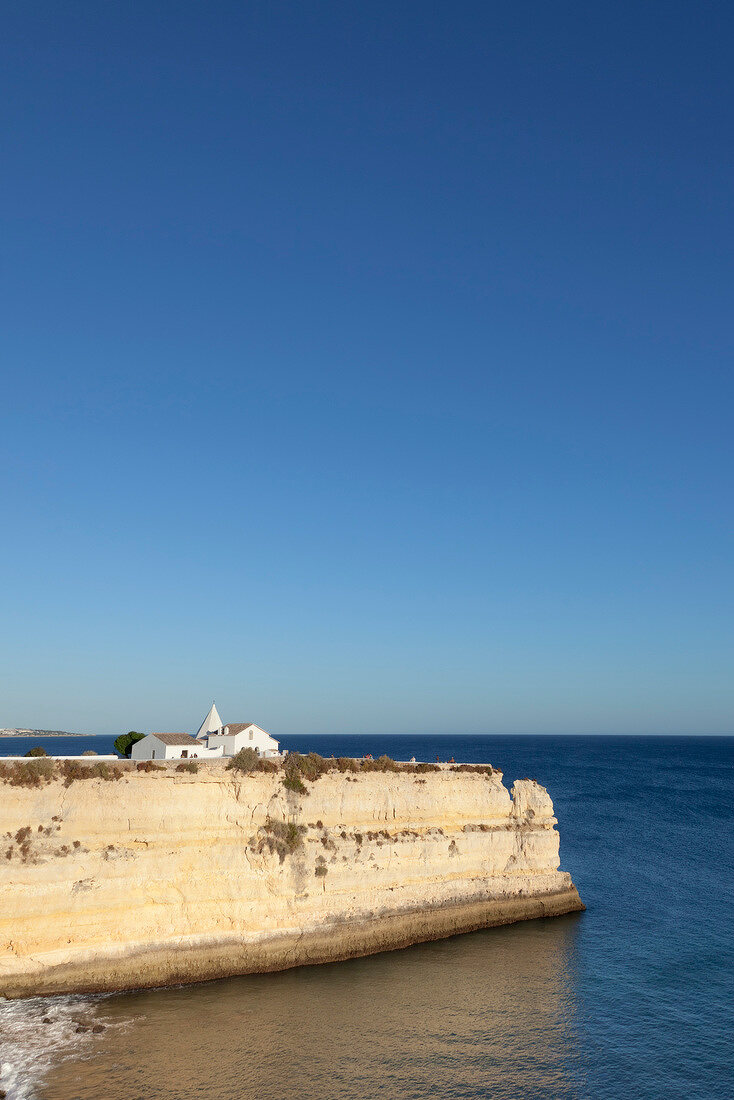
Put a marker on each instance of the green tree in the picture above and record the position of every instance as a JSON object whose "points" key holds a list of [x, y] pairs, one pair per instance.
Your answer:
{"points": [[37, 751], [125, 742]]}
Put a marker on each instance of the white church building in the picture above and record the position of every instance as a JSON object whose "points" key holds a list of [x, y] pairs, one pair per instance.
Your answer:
{"points": [[213, 739], [165, 746]]}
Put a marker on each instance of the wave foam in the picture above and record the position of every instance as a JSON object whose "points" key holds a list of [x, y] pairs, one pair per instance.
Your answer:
{"points": [[38, 1033]]}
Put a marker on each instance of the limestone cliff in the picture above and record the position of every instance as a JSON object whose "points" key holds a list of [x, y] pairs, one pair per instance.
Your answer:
{"points": [[168, 877]]}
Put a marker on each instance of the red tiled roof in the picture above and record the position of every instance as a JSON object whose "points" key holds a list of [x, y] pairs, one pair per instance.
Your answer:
{"points": [[176, 738], [237, 727]]}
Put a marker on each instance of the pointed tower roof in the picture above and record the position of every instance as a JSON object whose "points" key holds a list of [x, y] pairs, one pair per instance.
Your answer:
{"points": [[211, 724]]}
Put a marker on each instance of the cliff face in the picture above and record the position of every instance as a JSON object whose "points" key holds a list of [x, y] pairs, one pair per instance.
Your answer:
{"points": [[167, 877]]}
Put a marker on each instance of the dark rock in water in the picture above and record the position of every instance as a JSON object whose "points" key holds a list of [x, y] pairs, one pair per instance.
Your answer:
{"points": [[97, 1028], [81, 1027], [46, 1020]]}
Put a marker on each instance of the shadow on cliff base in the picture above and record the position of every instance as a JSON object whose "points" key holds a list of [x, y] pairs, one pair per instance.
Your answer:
{"points": [[491, 1013]]}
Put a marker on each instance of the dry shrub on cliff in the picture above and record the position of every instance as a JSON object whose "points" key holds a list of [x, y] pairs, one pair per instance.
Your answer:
{"points": [[310, 767], [293, 783], [188, 766], [382, 764], [23, 840], [297, 768], [247, 761], [148, 766], [72, 770], [313, 766], [346, 764], [265, 765], [282, 837], [479, 769], [30, 774]]}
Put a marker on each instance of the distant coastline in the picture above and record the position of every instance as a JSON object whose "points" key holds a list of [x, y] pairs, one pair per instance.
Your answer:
{"points": [[37, 733]]}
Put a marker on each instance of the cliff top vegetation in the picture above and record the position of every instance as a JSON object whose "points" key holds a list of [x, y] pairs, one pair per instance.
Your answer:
{"points": [[296, 769]]}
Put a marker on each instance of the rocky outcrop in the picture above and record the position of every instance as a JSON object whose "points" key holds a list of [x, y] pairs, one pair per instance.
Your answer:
{"points": [[167, 877]]}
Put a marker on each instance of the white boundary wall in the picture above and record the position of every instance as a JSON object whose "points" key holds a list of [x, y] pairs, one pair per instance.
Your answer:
{"points": [[91, 759]]}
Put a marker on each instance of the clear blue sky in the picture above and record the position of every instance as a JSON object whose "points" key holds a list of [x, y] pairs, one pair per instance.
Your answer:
{"points": [[367, 366]]}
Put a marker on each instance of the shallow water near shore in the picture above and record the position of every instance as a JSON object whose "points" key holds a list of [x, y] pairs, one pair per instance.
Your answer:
{"points": [[632, 998]]}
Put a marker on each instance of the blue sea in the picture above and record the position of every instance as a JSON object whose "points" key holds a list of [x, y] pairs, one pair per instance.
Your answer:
{"points": [[633, 998]]}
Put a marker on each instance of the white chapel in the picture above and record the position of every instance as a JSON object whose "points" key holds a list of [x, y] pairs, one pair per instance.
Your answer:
{"points": [[213, 739]]}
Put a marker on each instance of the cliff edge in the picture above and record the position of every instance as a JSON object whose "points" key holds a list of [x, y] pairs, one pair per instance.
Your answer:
{"points": [[165, 877]]}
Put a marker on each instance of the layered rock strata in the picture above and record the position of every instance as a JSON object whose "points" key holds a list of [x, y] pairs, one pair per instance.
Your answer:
{"points": [[166, 877]]}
